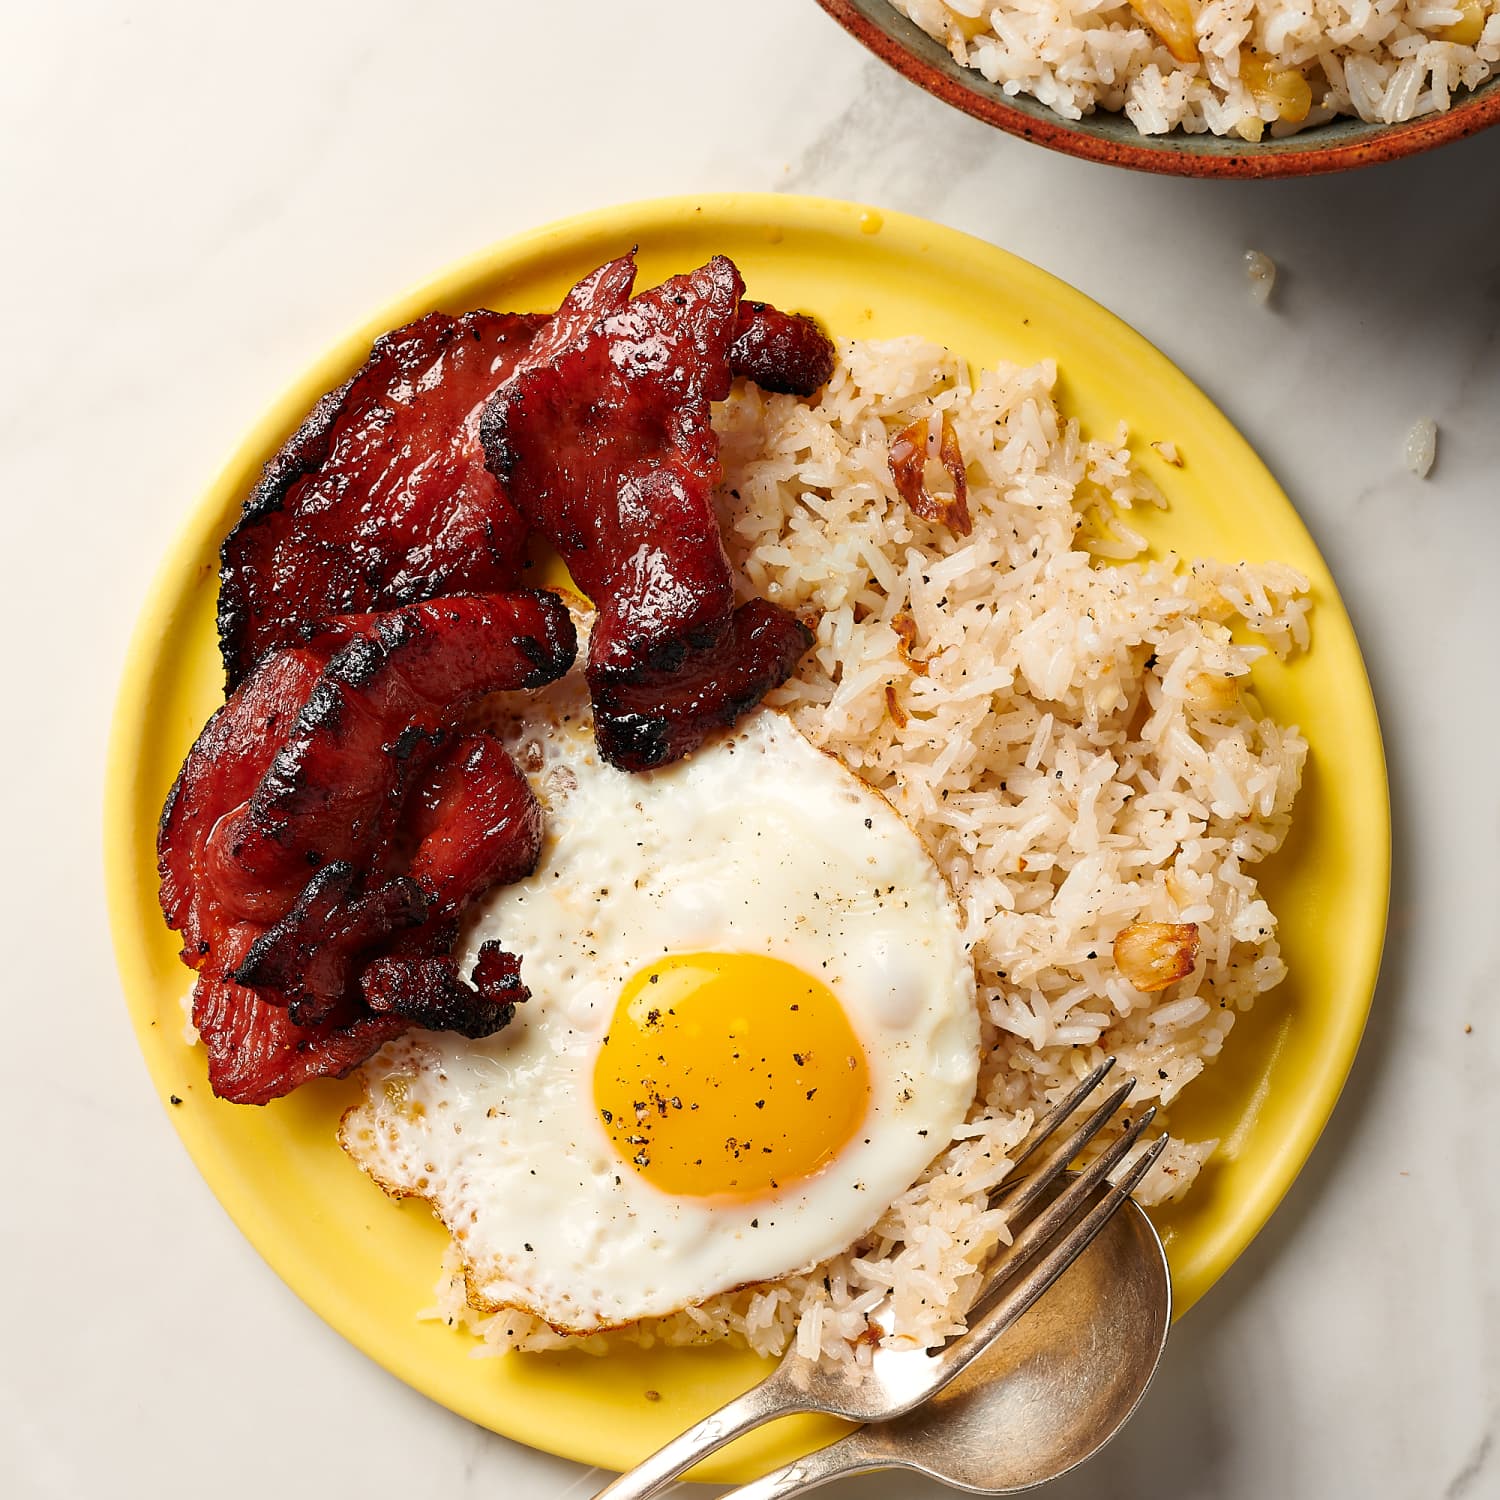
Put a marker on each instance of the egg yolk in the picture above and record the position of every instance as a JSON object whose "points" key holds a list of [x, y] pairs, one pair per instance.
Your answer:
{"points": [[729, 1075]]}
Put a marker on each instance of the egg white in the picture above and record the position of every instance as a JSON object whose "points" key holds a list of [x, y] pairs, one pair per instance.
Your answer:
{"points": [[758, 843]]}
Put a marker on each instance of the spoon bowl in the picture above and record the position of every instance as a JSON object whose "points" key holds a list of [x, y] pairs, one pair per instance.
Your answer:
{"points": [[1042, 1399]]}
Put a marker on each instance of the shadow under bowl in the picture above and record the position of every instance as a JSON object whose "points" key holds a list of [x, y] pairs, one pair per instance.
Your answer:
{"points": [[1110, 138]]}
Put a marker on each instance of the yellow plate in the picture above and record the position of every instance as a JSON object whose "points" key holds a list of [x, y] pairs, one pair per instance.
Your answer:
{"points": [[367, 1265]]}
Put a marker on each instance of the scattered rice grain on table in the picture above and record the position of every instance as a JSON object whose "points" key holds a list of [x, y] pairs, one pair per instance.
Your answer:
{"points": [[1421, 447], [1068, 729]]}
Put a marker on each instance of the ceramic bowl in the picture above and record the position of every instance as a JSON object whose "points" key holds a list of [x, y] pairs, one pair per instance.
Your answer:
{"points": [[1111, 138]]}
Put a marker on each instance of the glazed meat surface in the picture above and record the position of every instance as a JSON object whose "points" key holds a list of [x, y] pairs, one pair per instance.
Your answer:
{"points": [[257, 1053], [651, 719], [780, 351], [381, 498], [329, 826], [608, 449]]}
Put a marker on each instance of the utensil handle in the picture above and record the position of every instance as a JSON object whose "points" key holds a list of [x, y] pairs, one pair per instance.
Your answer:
{"points": [[761, 1403], [848, 1455]]}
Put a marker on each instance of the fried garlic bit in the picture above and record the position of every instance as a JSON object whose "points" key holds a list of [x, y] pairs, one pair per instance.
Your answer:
{"points": [[1173, 22], [1467, 29], [957, 24], [1213, 692], [909, 452], [1286, 90], [905, 628], [1152, 955]]}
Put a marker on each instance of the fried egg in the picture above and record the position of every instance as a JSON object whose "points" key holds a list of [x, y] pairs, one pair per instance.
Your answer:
{"points": [[752, 1026]]}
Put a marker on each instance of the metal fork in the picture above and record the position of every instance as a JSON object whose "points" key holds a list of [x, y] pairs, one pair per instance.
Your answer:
{"points": [[896, 1380]]}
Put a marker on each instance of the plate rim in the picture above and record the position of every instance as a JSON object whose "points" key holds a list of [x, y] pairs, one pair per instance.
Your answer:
{"points": [[198, 532]]}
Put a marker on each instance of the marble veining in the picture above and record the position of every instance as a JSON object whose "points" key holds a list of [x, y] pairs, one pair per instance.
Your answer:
{"points": [[200, 199]]}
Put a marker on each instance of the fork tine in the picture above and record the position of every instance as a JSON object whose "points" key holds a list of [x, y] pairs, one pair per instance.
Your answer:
{"points": [[1018, 1295], [1054, 1117], [1056, 1215], [1019, 1197]]}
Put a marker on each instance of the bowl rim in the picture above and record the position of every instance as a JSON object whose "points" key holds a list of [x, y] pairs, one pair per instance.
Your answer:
{"points": [[1471, 115]]}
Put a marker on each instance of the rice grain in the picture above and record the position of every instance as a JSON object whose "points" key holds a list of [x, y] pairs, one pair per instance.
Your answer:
{"points": [[1057, 753]]}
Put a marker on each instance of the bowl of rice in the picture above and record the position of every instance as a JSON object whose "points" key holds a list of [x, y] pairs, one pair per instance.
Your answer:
{"points": [[1202, 88]]}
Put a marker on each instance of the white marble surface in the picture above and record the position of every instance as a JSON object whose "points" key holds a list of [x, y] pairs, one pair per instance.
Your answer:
{"points": [[198, 199]]}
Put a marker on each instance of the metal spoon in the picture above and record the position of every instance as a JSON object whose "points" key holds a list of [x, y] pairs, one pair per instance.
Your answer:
{"points": [[1042, 1399], [1058, 1215]]}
